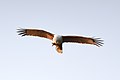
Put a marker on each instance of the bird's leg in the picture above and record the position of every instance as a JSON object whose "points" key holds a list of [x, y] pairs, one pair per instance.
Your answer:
{"points": [[53, 44]]}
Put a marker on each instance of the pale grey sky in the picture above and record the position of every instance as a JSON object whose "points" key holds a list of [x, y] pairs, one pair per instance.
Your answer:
{"points": [[29, 58]]}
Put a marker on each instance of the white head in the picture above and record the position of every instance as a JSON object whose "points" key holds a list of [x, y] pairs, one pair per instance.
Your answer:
{"points": [[57, 39]]}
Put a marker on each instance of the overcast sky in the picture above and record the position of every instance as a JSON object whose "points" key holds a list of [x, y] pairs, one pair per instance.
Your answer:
{"points": [[32, 58]]}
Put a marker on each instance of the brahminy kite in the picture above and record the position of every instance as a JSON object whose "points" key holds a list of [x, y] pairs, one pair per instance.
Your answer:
{"points": [[58, 40]]}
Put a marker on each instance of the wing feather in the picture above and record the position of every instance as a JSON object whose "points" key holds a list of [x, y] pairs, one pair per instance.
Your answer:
{"points": [[85, 40], [35, 32]]}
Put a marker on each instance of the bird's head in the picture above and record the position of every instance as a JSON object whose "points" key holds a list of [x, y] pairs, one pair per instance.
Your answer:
{"points": [[57, 39]]}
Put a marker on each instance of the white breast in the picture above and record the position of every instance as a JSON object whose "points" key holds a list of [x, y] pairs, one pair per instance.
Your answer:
{"points": [[57, 39]]}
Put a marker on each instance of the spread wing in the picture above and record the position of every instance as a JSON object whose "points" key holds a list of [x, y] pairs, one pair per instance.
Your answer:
{"points": [[85, 40], [35, 32]]}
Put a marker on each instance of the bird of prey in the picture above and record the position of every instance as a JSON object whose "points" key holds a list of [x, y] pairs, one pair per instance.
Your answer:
{"points": [[58, 40]]}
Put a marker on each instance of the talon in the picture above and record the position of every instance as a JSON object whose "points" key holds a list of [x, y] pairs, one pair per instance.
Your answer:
{"points": [[53, 44]]}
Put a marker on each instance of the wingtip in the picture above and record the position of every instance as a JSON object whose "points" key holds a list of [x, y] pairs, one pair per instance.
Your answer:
{"points": [[98, 42], [21, 32]]}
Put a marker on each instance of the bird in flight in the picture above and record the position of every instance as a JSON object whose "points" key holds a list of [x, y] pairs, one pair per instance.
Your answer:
{"points": [[58, 40]]}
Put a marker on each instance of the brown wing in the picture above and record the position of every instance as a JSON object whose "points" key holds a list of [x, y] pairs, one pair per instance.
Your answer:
{"points": [[84, 40], [35, 32]]}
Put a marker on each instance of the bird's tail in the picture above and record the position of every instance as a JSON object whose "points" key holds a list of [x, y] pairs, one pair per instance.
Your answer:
{"points": [[59, 48]]}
